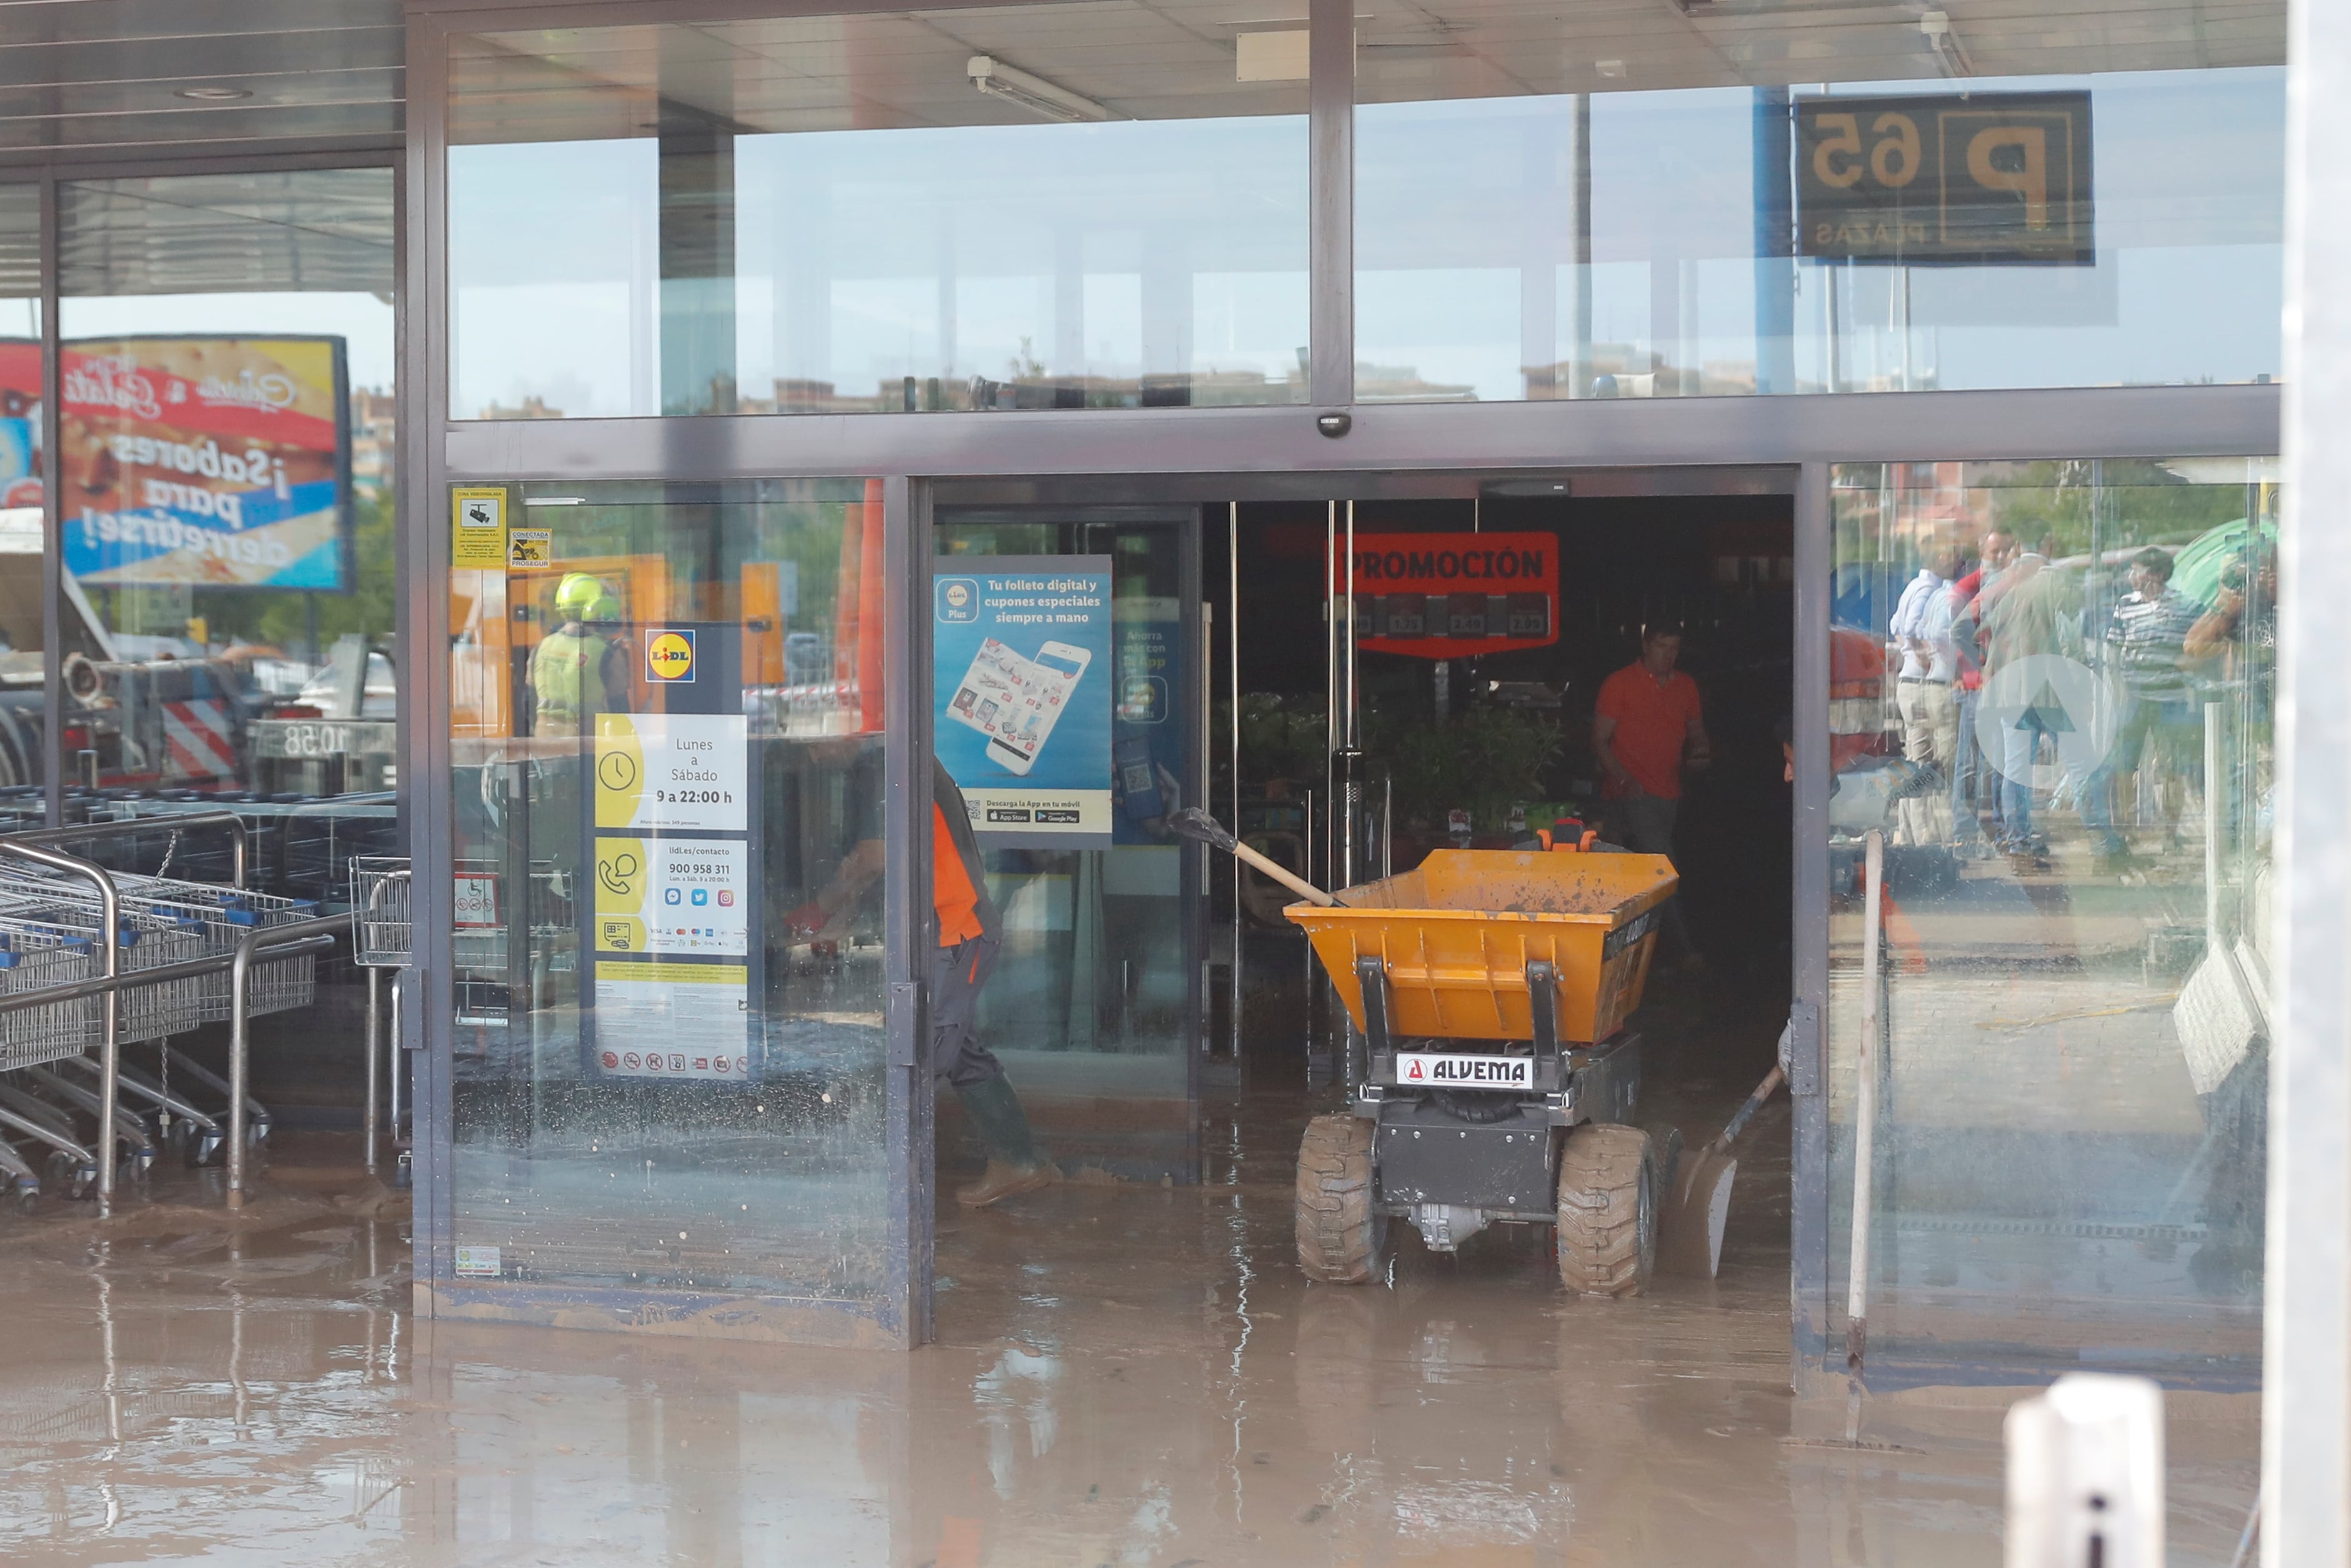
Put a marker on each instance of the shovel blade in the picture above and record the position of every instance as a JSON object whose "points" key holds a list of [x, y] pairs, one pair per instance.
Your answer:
{"points": [[1689, 1228]]}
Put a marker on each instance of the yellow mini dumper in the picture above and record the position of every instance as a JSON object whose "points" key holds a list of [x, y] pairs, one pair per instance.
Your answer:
{"points": [[1490, 989]]}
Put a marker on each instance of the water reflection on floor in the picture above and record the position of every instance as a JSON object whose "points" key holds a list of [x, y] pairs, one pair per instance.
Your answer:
{"points": [[1127, 1374]]}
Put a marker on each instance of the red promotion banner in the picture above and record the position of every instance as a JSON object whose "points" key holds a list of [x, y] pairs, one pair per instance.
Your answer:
{"points": [[1454, 596]]}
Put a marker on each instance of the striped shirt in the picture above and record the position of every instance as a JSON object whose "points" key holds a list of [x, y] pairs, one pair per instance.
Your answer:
{"points": [[2145, 636]]}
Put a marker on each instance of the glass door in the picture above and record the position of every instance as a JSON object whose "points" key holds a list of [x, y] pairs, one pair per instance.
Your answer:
{"points": [[1096, 1004], [671, 1105]]}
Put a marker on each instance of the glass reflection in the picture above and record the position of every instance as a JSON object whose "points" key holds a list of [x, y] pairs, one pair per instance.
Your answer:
{"points": [[1032, 208], [1556, 228], [667, 734], [2054, 689]]}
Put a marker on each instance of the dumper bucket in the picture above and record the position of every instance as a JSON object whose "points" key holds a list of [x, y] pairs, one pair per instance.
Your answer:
{"points": [[1457, 934]]}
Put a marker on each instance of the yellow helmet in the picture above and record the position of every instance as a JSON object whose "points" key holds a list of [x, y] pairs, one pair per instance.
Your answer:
{"points": [[576, 593]]}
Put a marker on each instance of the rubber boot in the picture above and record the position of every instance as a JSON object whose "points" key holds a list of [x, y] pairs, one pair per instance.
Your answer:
{"points": [[1014, 1164]]}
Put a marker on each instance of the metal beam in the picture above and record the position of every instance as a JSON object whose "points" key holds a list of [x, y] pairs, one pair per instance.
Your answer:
{"points": [[2143, 422], [2307, 1294], [53, 537], [1331, 200]]}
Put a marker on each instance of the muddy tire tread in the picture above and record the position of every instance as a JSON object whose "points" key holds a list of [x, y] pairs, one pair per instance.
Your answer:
{"points": [[1600, 1247], [1339, 1234]]}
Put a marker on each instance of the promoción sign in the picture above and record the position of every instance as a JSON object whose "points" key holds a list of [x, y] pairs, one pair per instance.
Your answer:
{"points": [[1452, 596]]}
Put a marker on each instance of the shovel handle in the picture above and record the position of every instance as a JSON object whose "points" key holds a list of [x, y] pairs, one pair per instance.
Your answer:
{"points": [[1282, 874], [1745, 1112], [1193, 823]]}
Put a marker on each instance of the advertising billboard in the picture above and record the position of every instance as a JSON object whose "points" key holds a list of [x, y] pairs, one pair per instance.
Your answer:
{"points": [[20, 428], [1021, 674], [204, 462], [1974, 179]]}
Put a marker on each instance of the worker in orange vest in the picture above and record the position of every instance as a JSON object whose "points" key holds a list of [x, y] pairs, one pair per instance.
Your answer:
{"points": [[965, 937]]}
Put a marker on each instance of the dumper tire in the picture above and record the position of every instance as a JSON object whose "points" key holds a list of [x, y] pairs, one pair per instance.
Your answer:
{"points": [[1342, 1233], [1608, 1196]]}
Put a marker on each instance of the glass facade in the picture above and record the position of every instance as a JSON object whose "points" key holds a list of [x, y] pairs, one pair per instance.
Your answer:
{"points": [[1537, 219], [667, 749], [2053, 695], [1023, 207], [228, 480]]}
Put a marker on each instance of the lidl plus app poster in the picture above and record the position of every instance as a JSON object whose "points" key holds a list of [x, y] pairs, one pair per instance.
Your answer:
{"points": [[1022, 678]]}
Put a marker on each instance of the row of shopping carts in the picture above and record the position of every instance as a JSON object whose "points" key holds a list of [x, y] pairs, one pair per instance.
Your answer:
{"points": [[53, 935]]}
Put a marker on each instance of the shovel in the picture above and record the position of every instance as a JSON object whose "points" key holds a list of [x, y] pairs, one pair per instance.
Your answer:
{"points": [[1689, 1228], [1193, 823]]}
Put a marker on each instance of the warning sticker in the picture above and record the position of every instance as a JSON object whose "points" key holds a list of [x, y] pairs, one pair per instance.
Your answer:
{"points": [[531, 546], [478, 516]]}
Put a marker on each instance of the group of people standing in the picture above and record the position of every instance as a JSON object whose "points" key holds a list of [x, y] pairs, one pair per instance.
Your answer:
{"points": [[2150, 653]]}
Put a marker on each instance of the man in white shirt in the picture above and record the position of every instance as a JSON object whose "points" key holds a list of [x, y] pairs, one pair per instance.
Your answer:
{"points": [[1921, 629]]}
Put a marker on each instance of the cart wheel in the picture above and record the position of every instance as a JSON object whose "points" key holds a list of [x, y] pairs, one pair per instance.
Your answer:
{"points": [[1607, 1210], [27, 1197], [1341, 1235]]}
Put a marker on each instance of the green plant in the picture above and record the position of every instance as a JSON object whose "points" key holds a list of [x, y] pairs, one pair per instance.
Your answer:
{"points": [[1485, 761]]}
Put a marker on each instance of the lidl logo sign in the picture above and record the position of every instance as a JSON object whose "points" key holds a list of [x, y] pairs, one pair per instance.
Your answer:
{"points": [[669, 657]]}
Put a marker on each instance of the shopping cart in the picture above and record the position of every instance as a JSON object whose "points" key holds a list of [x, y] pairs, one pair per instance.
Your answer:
{"points": [[379, 897]]}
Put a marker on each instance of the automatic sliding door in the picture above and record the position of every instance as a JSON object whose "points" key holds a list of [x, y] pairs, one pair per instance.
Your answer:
{"points": [[1095, 1004]]}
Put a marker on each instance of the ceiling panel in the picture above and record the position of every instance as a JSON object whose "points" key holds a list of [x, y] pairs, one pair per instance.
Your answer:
{"points": [[109, 75]]}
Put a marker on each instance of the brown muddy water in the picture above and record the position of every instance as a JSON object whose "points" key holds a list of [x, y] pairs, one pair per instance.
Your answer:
{"points": [[1130, 1375]]}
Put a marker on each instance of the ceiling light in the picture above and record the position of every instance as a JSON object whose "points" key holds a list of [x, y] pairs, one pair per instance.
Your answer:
{"points": [[1033, 93], [213, 94]]}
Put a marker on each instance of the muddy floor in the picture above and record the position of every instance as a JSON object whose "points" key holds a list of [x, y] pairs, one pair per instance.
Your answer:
{"points": [[1126, 1374]]}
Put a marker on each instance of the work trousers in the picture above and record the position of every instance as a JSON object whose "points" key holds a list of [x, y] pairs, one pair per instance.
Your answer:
{"points": [[958, 972], [1644, 823], [2175, 727], [1930, 738]]}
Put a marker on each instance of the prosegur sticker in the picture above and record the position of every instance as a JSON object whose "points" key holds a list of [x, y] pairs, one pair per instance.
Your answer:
{"points": [[687, 772], [670, 896]]}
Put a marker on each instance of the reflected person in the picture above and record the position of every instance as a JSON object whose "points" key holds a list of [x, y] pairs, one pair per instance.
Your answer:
{"points": [[967, 934], [2145, 637]]}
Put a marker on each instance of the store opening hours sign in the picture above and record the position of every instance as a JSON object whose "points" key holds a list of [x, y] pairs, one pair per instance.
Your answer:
{"points": [[672, 915], [1453, 596]]}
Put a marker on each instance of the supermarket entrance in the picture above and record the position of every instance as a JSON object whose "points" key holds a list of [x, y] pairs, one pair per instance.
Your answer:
{"points": [[1162, 1020]]}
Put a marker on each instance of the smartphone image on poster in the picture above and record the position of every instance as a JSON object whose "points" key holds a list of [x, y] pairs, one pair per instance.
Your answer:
{"points": [[992, 689], [1022, 728]]}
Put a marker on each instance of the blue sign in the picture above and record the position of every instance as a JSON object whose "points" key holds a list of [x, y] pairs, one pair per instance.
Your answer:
{"points": [[1023, 679]]}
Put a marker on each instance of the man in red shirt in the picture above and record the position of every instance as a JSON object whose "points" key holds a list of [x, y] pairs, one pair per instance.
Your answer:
{"points": [[1648, 728]]}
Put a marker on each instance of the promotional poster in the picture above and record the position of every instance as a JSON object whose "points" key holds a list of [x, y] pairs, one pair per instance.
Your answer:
{"points": [[206, 462], [1021, 672]]}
